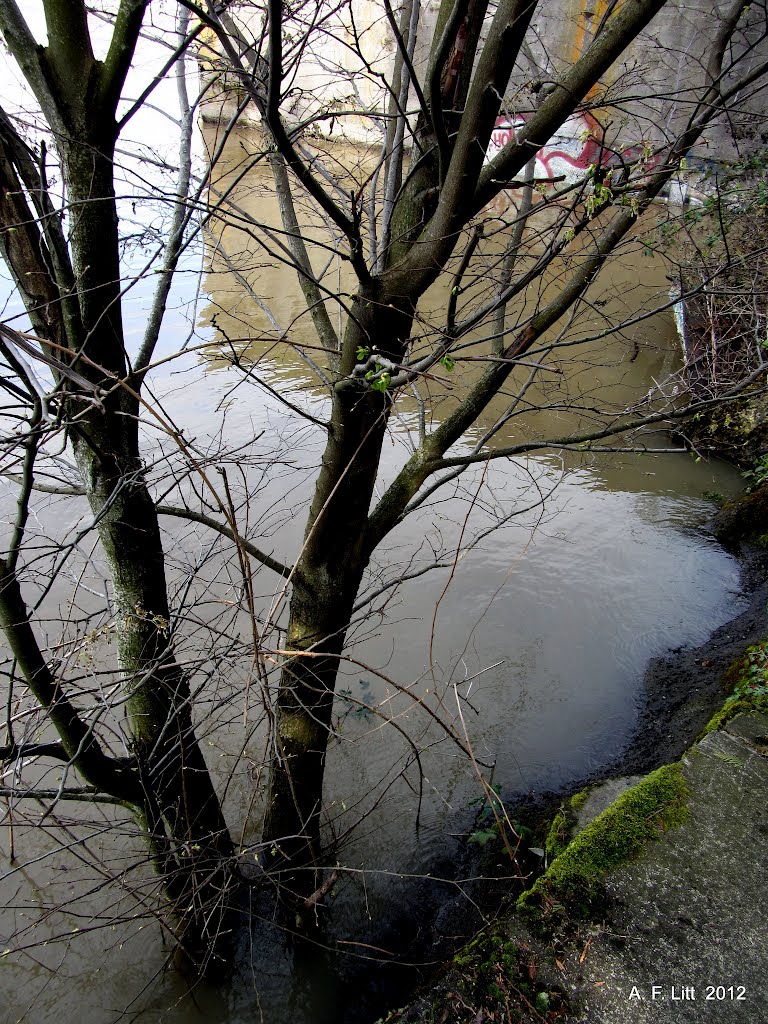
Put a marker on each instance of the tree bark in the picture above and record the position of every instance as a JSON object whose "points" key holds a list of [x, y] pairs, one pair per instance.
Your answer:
{"points": [[326, 580], [191, 844]]}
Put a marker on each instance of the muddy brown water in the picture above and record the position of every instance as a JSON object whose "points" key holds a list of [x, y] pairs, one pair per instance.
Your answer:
{"points": [[532, 645]]}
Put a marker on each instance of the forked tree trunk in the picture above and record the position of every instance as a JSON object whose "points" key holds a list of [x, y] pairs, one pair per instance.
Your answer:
{"points": [[446, 185]]}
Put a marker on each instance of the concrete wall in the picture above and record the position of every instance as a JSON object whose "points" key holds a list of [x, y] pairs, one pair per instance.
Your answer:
{"points": [[343, 57]]}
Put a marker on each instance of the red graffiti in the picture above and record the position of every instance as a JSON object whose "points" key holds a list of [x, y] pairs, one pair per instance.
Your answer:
{"points": [[576, 147]]}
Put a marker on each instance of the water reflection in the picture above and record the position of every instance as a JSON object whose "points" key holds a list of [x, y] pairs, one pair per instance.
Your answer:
{"points": [[543, 629]]}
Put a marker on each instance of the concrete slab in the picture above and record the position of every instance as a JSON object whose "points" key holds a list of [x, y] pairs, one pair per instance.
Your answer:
{"points": [[601, 797], [687, 934]]}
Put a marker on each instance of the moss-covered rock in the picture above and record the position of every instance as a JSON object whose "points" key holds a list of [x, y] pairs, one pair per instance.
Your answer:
{"points": [[579, 799], [561, 828], [558, 836], [745, 518], [573, 882]]}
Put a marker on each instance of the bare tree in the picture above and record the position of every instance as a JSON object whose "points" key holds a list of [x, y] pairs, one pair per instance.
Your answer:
{"points": [[427, 210]]}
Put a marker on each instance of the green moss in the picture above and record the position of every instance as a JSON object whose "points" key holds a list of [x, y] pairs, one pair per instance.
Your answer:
{"points": [[558, 836], [579, 799], [748, 678], [573, 882], [484, 963]]}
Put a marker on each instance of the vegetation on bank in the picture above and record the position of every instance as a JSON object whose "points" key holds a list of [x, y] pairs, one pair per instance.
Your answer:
{"points": [[748, 679], [723, 275], [494, 978]]}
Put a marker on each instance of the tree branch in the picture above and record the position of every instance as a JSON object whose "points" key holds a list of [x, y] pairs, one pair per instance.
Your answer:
{"points": [[272, 117], [90, 796], [181, 215], [426, 458], [406, 48], [441, 49], [38, 259], [31, 446], [294, 234], [560, 103], [117, 63], [394, 142], [417, 267], [78, 740], [17, 751], [69, 41], [576, 441], [329, 339], [721, 40], [226, 531], [26, 51]]}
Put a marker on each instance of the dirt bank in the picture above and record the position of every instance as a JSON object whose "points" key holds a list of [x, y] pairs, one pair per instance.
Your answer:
{"points": [[685, 686]]}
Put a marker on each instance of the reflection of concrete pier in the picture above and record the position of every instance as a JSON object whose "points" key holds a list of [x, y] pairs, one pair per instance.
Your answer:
{"points": [[260, 315]]}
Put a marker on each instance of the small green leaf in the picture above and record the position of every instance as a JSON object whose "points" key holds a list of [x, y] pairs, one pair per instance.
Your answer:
{"points": [[483, 836]]}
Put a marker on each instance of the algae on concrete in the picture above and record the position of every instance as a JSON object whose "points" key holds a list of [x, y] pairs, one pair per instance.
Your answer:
{"points": [[574, 880], [684, 938]]}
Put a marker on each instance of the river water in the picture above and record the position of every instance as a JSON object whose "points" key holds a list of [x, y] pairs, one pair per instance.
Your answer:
{"points": [[531, 645]]}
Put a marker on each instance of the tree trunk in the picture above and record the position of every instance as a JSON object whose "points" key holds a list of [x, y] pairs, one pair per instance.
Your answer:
{"points": [[191, 844], [326, 581], [177, 804]]}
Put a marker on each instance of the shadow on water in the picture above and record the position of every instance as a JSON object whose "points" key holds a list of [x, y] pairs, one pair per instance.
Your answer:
{"points": [[282, 975]]}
